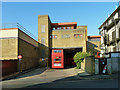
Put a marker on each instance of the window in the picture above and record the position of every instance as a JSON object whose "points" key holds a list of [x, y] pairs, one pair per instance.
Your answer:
{"points": [[53, 28], [57, 51], [58, 28], [96, 46], [94, 39], [78, 35], [114, 48], [57, 64], [65, 36], [57, 59], [112, 19], [53, 36], [50, 36], [68, 27], [43, 41], [42, 28]]}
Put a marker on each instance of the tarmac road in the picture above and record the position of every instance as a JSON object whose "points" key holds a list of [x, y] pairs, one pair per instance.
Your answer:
{"points": [[78, 84]]}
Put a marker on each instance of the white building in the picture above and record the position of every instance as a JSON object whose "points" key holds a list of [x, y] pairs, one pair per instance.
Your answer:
{"points": [[110, 33]]}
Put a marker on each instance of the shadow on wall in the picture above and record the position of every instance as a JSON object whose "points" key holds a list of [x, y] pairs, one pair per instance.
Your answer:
{"points": [[30, 58], [90, 64], [31, 55], [91, 48], [44, 55]]}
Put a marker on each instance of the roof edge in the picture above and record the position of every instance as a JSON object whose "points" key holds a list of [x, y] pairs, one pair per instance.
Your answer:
{"points": [[109, 17]]}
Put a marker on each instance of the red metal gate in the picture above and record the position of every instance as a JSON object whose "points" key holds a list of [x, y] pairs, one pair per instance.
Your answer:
{"points": [[57, 58]]}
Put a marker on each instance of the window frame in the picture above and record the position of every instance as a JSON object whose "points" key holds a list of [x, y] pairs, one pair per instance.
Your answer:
{"points": [[43, 28]]}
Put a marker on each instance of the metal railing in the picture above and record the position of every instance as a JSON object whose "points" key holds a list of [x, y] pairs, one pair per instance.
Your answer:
{"points": [[17, 25]]}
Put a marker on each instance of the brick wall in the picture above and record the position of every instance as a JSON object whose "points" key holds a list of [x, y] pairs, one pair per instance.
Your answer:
{"points": [[8, 59], [43, 37], [15, 42], [9, 48], [28, 48], [69, 41], [91, 47], [90, 64]]}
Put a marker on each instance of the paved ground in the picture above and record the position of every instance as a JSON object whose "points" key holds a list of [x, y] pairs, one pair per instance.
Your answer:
{"points": [[37, 76], [57, 78]]}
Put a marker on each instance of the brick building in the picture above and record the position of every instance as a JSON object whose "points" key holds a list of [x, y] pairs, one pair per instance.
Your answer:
{"points": [[67, 36], [93, 44], [15, 41]]}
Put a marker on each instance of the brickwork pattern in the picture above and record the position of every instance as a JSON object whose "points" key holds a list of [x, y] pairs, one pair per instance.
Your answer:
{"points": [[90, 65]]}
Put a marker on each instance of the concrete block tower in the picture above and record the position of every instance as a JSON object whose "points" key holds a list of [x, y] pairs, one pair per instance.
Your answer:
{"points": [[44, 27]]}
